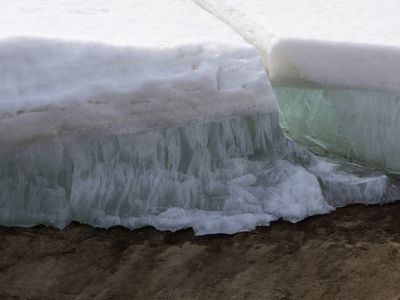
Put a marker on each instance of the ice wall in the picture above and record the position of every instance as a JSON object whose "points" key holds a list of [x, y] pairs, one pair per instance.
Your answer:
{"points": [[130, 113], [215, 176]]}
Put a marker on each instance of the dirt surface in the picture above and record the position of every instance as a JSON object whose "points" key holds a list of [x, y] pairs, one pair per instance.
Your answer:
{"points": [[353, 253]]}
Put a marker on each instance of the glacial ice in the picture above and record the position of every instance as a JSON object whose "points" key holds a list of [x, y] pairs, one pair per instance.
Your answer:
{"points": [[131, 113]]}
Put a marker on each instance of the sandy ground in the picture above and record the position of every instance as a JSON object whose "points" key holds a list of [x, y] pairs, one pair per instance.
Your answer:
{"points": [[353, 253]]}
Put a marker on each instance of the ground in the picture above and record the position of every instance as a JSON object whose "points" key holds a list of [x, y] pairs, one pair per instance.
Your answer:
{"points": [[353, 253]]}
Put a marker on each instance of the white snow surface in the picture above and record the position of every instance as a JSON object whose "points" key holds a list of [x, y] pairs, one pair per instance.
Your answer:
{"points": [[336, 43], [359, 21], [74, 66], [159, 24]]}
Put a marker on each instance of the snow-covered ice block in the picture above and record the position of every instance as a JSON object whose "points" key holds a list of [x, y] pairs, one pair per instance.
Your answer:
{"points": [[154, 113], [129, 112], [335, 68]]}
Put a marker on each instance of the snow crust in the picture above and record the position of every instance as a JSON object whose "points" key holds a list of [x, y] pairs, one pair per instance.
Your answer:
{"points": [[154, 113], [340, 43], [69, 66]]}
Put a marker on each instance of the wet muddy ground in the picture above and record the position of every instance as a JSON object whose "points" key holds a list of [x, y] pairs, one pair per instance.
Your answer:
{"points": [[353, 253]]}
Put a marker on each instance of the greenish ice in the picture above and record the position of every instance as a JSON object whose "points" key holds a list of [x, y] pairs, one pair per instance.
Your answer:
{"points": [[353, 125]]}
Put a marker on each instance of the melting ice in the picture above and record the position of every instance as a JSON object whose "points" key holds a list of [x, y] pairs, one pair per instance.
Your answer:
{"points": [[167, 126]]}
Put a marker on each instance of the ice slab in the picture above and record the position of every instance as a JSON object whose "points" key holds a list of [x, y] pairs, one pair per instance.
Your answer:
{"points": [[131, 113], [121, 114]]}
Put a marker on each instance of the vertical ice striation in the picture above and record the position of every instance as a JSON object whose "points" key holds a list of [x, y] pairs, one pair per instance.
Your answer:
{"points": [[215, 176], [109, 180], [229, 170]]}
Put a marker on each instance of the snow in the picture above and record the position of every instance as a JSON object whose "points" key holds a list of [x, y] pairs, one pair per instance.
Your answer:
{"points": [[154, 113], [359, 21], [340, 43], [72, 66], [136, 23]]}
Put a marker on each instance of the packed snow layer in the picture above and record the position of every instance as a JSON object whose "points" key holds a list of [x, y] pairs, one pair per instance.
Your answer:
{"points": [[131, 113], [68, 66], [55, 87], [341, 43]]}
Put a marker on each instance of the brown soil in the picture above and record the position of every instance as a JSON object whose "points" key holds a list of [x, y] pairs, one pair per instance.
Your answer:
{"points": [[353, 253]]}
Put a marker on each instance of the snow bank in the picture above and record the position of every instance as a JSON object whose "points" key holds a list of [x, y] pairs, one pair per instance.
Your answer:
{"points": [[156, 113]]}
